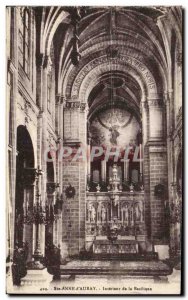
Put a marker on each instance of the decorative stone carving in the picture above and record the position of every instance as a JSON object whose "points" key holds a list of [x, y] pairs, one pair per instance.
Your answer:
{"points": [[75, 105], [128, 214], [124, 60], [155, 102], [91, 213], [103, 214]]}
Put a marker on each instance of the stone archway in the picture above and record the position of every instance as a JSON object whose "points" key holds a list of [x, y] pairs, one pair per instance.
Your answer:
{"points": [[25, 178]]}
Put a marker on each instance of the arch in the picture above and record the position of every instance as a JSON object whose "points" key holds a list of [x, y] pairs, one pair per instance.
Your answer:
{"points": [[24, 185], [25, 146], [82, 82], [51, 27], [69, 74]]}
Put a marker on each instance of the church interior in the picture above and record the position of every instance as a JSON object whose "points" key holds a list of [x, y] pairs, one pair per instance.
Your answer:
{"points": [[94, 142]]}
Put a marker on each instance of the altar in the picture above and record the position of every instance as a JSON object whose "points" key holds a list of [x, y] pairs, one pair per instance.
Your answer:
{"points": [[115, 221]]}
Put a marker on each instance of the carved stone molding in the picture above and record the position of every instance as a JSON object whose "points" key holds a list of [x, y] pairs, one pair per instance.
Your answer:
{"points": [[75, 105], [83, 106], [121, 60], [60, 99], [155, 102]]}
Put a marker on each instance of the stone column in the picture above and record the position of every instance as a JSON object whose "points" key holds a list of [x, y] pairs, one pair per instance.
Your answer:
{"points": [[74, 171], [42, 70], [59, 190], [29, 199], [158, 171], [88, 160], [145, 120], [12, 69], [146, 166], [156, 119], [83, 170], [45, 69]]}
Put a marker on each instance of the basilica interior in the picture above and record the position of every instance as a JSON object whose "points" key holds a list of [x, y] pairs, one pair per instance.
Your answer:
{"points": [[100, 81]]}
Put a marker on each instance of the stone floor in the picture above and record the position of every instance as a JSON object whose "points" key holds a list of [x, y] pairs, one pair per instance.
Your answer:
{"points": [[114, 277], [114, 284], [116, 281], [116, 267]]}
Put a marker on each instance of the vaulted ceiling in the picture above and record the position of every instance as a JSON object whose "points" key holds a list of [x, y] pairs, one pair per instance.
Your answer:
{"points": [[115, 43]]}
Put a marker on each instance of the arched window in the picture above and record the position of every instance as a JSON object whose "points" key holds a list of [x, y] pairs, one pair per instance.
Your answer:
{"points": [[24, 37]]}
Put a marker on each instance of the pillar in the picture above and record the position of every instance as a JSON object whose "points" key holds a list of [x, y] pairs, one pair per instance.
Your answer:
{"points": [[74, 171], [157, 170], [29, 198], [146, 166]]}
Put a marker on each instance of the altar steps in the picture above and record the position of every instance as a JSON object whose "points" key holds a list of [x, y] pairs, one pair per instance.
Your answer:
{"points": [[125, 268], [149, 256]]}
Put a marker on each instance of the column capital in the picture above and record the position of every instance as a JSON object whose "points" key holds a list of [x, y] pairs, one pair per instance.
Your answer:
{"points": [[60, 99], [75, 105], [155, 102]]}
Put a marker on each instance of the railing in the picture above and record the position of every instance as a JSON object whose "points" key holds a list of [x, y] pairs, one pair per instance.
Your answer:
{"points": [[124, 187]]}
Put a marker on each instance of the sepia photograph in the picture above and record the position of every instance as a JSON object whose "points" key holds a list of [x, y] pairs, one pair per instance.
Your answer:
{"points": [[94, 150]]}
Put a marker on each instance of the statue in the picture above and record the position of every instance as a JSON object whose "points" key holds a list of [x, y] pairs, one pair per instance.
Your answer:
{"points": [[103, 214], [92, 214], [137, 212], [141, 211], [126, 214], [114, 135]]}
